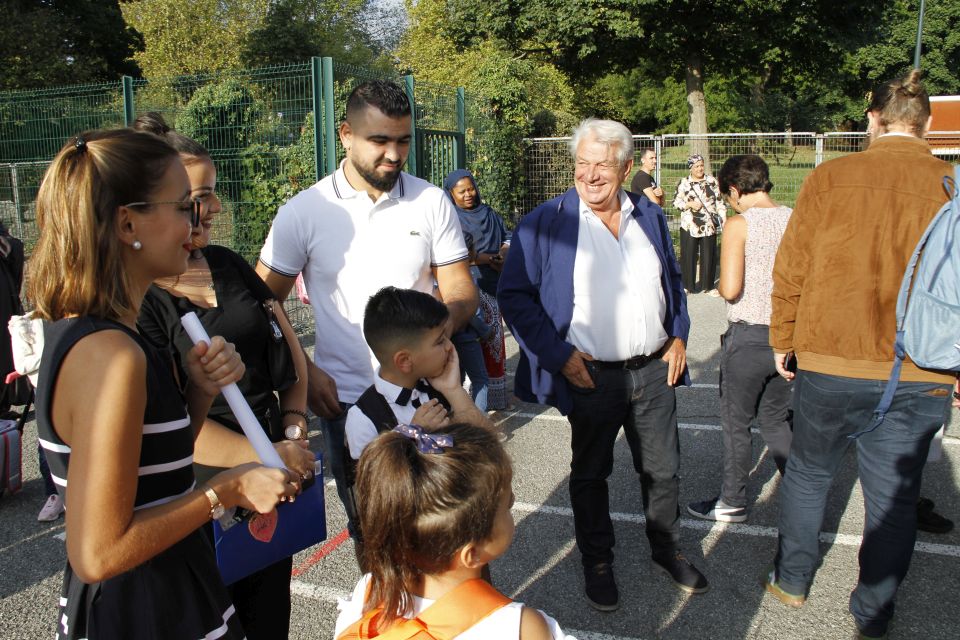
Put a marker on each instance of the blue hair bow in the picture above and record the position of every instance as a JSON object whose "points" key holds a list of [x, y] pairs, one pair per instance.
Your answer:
{"points": [[426, 442]]}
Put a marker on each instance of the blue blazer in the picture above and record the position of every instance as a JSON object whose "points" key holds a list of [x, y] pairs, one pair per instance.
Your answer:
{"points": [[536, 292]]}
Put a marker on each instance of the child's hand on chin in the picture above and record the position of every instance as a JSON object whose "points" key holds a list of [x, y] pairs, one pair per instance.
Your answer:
{"points": [[449, 378]]}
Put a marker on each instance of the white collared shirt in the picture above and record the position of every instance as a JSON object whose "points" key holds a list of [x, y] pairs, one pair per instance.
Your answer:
{"points": [[618, 302], [361, 431], [349, 247]]}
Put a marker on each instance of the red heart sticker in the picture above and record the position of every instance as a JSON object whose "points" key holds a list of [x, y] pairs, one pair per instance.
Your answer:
{"points": [[263, 525]]}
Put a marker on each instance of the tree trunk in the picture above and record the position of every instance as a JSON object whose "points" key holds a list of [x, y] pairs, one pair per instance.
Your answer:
{"points": [[697, 108]]}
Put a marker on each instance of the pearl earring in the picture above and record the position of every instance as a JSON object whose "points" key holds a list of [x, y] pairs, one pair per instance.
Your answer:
{"points": [[137, 245]]}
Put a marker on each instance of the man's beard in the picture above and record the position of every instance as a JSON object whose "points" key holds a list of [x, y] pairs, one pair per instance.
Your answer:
{"points": [[379, 182]]}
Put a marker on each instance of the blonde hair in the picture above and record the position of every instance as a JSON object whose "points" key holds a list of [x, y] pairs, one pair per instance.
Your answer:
{"points": [[902, 101], [77, 267]]}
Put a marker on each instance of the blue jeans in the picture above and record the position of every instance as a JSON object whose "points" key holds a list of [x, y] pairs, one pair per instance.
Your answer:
{"points": [[470, 354], [335, 447], [642, 404], [48, 484], [890, 459]]}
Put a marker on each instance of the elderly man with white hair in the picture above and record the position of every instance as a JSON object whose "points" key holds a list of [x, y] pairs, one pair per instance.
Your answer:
{"points": [[592, 291]]}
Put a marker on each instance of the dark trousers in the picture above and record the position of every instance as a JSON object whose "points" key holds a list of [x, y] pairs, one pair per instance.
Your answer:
{"points": [[690, 249], [750, 388], [334, 446], [262, 601], [890, 459], [640, 402]]}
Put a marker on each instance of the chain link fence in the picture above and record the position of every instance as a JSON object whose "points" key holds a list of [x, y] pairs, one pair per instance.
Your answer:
{"points": [[548, 165]]}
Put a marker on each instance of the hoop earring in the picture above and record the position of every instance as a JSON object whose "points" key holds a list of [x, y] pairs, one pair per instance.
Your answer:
{"points": [[137, 245]]}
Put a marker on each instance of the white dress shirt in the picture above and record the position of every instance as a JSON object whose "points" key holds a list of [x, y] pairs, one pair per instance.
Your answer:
{"points": [[618, 302]]}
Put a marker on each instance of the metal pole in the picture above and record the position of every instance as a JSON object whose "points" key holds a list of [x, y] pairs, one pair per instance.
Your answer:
{"points": [[412, 159], [15, 185], [818, 157], [129, 111], [916, 52], [329, 117], [658, 148], [316, 89], [460, 147]]}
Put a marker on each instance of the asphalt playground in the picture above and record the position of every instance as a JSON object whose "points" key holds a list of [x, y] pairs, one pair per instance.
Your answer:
{"points": [[542, 568]]}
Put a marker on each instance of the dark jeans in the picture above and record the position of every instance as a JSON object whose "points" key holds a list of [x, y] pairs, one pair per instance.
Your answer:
{"points": [[334, 445], [890, 461], [470, 354], [48, 484], [641, 402], [750, 388], [690, 249], [262, 601]]}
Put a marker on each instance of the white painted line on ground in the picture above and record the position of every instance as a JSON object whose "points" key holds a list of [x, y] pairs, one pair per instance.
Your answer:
{"points": [[695, 426], [844, 539], [326, 594]]}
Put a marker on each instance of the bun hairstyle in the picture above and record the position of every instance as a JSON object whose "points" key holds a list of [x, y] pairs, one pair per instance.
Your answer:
{"points": [[749, 174], [417, 510], [903, 101], [76, 267], [189, 149]]}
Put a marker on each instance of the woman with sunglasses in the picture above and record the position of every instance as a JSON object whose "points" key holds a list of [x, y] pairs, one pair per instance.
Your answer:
{"points": [[114, 213], [231, 300]]}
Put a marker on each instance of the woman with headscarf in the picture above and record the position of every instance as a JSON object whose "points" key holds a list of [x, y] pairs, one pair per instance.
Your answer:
{"points": [[702, 213], [491, 243]]}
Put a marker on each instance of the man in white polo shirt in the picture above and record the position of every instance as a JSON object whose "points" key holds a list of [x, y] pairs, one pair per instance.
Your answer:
{"points": [[366, 226]]}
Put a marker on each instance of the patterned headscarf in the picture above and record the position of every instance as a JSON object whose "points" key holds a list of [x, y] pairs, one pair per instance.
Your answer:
{"points": [[694, 159]]}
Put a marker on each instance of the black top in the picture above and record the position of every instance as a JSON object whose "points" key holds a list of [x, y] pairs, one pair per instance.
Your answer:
{"points": [[642, 181], [238, 317], [177, 593]]}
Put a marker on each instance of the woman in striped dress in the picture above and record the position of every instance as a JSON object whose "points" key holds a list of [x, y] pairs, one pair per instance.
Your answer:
{"points": [[114, 214]]}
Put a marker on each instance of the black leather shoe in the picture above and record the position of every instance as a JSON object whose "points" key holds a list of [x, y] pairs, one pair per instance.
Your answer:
{"points": [[686, 576], [601, 588], [929, 520]]}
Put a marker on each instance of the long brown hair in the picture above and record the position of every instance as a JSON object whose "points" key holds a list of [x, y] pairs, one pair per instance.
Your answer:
{"points": [[417, 510], [902, 101], [77, 268]]}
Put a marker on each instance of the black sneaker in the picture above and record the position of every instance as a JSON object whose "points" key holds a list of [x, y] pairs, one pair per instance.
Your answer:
{"points": [[601, 588], [718, 510], [686, 576]]}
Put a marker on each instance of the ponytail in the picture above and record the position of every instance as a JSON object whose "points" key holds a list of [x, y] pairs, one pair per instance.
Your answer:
{"points": [[903, 101]]}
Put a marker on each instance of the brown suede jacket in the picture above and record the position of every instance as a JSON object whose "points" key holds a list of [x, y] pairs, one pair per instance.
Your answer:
{"points": [[838, 270]]}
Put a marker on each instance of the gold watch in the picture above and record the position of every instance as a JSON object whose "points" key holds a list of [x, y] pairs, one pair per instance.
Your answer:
{"points": [[216, 507]]}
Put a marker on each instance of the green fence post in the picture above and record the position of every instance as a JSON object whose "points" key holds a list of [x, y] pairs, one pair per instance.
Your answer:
{"points": [[460, 144], [413, 161], [129, 110], [329, 117], [316, 89]]}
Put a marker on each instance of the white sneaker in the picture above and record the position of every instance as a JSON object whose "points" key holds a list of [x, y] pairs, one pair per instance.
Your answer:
{"points": [[51, 510]]}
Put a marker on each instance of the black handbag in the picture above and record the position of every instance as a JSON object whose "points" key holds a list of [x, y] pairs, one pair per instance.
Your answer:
{"points": [[283, 373]]}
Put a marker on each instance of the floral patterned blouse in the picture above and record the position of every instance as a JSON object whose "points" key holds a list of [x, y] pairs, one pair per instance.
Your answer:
{"points": [[708, 220]]}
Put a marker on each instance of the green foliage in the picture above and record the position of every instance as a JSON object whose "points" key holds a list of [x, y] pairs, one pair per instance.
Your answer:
{"points": [[45, 43]]}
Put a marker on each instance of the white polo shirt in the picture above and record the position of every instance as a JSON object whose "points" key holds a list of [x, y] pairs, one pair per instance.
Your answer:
{"points": [[349, 247], [618, 301]]}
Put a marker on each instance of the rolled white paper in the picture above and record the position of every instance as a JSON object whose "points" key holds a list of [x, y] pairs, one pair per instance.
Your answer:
{"points": [[238, 404]]}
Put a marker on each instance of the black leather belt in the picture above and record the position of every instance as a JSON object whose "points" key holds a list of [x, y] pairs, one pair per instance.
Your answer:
{"points": [[633, 363]]}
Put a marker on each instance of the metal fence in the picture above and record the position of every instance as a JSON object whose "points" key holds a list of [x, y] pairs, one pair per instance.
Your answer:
{"points": [[271, 132], [791, 156]]}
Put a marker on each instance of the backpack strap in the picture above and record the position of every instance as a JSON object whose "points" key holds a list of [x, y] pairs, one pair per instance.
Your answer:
{"points": [[458, 610]]}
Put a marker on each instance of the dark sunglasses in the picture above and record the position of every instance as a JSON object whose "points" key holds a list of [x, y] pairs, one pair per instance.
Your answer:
{"points": [[196, 206]]}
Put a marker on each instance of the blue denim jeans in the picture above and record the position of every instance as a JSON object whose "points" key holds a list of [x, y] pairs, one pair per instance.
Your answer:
{"points": [[645, 407], [334, 445], [470, 354], [828, 409]]}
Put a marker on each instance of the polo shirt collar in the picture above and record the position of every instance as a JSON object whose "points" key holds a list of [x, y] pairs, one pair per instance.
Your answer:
{"points": [[345, 191]]}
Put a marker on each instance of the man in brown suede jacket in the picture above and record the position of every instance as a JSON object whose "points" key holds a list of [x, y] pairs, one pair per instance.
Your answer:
{"points": [[836, 280]]}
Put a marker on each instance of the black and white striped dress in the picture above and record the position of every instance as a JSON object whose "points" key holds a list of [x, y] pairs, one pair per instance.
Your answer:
{"points": [[178, 593]]}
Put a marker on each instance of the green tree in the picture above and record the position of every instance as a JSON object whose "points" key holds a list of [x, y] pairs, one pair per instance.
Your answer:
{"points": [[186, 38], [295, 30], [50, 42]]}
